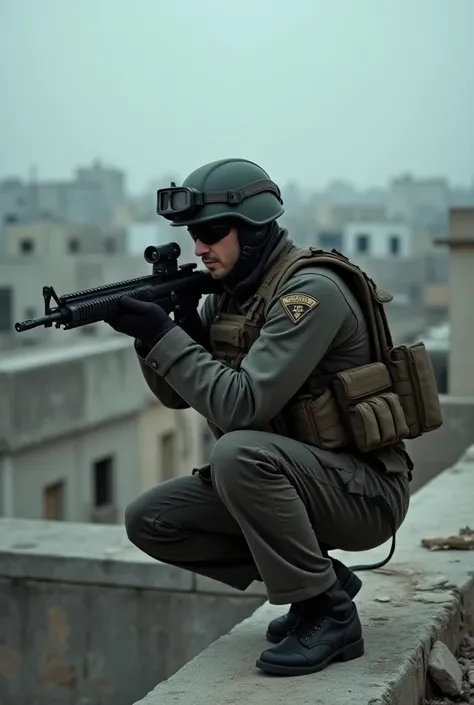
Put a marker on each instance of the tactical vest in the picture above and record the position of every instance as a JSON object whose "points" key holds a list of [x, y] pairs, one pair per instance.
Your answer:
{"points": [[366, 409]]}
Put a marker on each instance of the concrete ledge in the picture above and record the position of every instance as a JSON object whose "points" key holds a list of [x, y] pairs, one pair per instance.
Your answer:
{"points": [[86, 618], [92, 554], [82, 554], [421, 596]]}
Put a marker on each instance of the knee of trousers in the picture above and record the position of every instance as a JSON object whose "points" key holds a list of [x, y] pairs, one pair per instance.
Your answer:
{"points": [[234, 463], [145, 522]]}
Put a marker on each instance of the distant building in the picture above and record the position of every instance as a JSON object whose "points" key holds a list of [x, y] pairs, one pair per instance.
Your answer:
{"points": [[336, 216], [381, 239], [108, 181], [93, 197], [392, 253], [81, 435], [423, 203], [23, 277], [45, 239]]}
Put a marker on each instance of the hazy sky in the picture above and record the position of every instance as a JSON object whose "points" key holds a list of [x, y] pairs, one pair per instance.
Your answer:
{"points": [[311, 89]]}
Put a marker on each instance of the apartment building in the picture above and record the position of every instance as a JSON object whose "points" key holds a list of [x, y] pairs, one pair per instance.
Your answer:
{"points": [[81, 435]]}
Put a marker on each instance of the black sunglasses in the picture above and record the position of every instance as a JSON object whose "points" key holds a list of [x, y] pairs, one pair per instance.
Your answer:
{"points": [[209, 233]]}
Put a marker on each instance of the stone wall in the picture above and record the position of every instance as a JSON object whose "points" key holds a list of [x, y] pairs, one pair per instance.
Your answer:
{"points": [[86, 619]]}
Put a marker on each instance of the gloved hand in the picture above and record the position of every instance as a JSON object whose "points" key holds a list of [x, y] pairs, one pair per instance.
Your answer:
{"points": [[146, 322]]}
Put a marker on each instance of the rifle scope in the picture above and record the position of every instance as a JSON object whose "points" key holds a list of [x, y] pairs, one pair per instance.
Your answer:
{"points": [[163, 253]]}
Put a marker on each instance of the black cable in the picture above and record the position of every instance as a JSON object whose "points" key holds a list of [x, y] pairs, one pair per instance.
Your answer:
{"points": [[381, 502]]}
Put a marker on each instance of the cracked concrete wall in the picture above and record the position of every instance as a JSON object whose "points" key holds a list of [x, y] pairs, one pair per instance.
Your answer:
{"points": [[87, 619], [68, 643]]}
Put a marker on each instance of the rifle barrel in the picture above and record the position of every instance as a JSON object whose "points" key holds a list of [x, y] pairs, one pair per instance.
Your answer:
{"points": [[36, 322]]}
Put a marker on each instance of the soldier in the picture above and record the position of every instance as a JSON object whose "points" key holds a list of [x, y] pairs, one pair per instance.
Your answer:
{"points": [[286, 482]]}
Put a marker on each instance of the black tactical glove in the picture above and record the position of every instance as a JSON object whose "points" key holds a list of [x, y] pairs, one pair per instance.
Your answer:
{"points": [[146, 322]]}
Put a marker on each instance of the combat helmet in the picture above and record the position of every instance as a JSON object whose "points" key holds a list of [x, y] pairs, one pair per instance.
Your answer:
{"points": [[228, 188]]}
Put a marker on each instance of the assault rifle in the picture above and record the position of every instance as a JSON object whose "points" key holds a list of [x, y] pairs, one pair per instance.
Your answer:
{"points": [[176, 288]]}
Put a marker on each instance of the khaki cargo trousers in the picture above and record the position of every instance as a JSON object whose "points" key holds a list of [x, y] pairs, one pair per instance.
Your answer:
{"points": [[268, 506]]}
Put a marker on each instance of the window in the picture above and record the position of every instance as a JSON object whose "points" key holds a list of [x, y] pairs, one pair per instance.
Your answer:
{"points": [[27, 246], [6, 305], [103, 481], [74, 246], [394, 245], [167, 456], [53, 502], [110, 245], [363, 244]]}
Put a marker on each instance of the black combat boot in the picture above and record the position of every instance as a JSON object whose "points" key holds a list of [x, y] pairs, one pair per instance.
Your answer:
{"points": [[328, 629], [281, 626]]}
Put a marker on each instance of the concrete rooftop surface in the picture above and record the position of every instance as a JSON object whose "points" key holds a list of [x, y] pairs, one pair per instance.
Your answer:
{"points": [[420, 596]]}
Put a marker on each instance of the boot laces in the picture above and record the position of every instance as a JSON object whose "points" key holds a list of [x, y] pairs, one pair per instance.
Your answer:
{"points": [[308, 631]]}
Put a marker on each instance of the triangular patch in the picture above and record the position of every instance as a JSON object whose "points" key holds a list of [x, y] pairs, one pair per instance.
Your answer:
{"points": [[296, 306]]}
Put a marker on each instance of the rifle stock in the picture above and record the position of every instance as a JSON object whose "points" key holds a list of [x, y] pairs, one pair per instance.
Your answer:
{"points": [[175, 288]]}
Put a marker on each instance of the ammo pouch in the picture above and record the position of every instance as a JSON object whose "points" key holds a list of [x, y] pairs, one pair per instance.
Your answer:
{"points": [[372, 406], [414, 383], [357, 410], [372, 411]]}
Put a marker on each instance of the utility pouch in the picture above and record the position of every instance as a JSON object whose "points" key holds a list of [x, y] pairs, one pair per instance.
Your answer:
{"points": [[372, 410], [377, 422], [227, 340], [414, 382], [317, 421], [228, 333]]}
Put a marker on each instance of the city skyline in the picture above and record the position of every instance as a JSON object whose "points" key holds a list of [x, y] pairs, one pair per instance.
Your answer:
{"points": [[35, 175]]}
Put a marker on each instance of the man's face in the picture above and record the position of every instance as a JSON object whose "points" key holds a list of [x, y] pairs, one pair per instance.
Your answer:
{"points": [[219, 257]]}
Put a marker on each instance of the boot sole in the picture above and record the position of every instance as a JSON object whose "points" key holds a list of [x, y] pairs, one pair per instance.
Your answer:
{"points": [[352, 586], [348, 653]]}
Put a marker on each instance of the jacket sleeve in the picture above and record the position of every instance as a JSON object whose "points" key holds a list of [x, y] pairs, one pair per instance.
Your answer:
{"points": [[158, 386], [301, 324]]}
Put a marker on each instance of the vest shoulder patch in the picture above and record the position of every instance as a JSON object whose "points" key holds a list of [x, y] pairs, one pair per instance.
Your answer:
{"points": [[296, 306]]}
